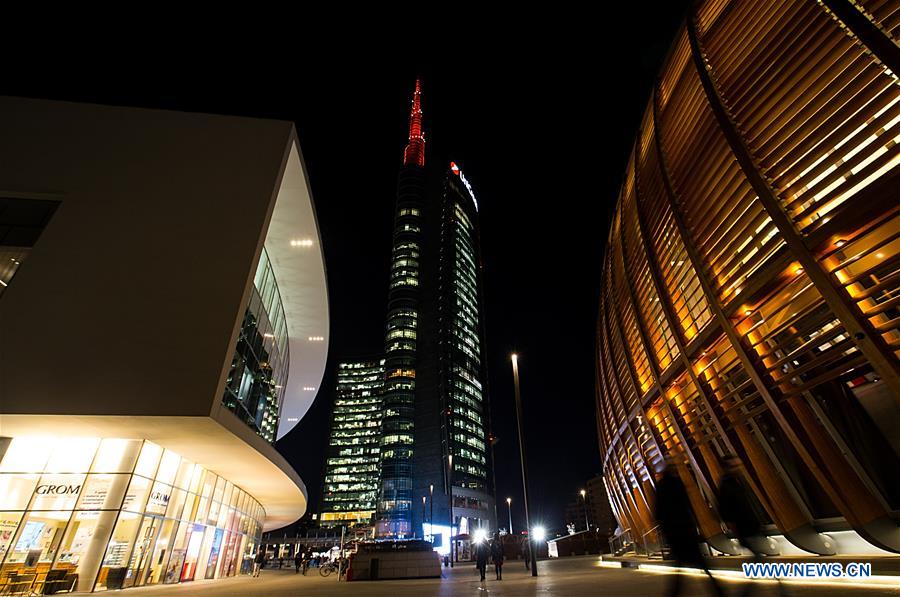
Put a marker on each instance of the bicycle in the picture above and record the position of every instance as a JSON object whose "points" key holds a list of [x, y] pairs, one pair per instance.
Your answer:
{"points": [[327, 568]]}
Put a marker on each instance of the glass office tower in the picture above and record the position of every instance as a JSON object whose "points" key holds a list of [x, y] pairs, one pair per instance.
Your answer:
{"points": [[751, 277], [435, 401], [352, 470], [398, 415], [453, 414]]}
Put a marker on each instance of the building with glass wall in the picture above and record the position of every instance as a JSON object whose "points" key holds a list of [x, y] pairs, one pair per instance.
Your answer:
{"points": [[254, 390], [453, 413], [401, 330], [165, 260], [435, 400], [749, 301], [352, 467]]}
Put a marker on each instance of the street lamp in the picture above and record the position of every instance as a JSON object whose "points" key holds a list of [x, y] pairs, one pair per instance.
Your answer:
{"points": [[587, 526], [423, 517], [431, 513], [515, 368], [450, 494], [509, 509]]}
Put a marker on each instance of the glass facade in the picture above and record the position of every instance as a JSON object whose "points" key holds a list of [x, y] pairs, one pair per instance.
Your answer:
{"points": [[254, 390], [395, 499], [460, 329], [749, 304], [116, 513], [352, 473]]}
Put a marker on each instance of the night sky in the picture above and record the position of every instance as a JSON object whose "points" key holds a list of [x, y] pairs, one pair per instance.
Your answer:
{"points": [[542, 126]]}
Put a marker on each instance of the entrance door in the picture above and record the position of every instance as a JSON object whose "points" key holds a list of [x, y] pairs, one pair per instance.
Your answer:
{"points": [[140, 555], [160, 551]]}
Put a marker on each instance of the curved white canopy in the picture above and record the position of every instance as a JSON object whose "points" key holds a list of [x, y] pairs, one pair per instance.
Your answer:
{"points": [[295, 251]]}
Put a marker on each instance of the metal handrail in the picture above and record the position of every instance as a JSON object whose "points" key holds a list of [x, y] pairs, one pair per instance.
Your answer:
{"points": [[658, 543], [620, 540]]}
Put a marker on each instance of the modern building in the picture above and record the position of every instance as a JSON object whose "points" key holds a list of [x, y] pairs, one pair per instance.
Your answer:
{"points": [[592, 510], [352, 473], [163, 260], [404, 293], [436, 421], [749, 302]]}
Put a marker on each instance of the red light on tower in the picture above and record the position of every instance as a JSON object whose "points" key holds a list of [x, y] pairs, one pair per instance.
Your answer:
{"points": [[414, 154], [454, 168]]}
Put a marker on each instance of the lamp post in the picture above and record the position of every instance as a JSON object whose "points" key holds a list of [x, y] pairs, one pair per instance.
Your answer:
{"points": [[431, 513], [515, 368], [587, 526], [423, 517], [450, 495], [509, 509]]}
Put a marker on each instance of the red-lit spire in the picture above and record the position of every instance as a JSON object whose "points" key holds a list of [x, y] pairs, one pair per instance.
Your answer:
{"points": [[414, 154]]}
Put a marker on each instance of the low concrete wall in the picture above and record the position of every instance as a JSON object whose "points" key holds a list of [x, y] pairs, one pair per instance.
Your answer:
{"points": [[394, 564]]}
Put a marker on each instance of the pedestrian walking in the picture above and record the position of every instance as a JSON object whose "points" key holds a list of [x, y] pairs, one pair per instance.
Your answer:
{"points": [[736, 509], [526, 552], [259, 561], [497, 556], [482, 552], [676, 519], [298, 562]]}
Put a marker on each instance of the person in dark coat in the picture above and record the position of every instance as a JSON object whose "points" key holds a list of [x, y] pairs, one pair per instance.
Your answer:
{"points": [[298, 561], [259, 562], [497, 556], [676, 519], [482, 552]]}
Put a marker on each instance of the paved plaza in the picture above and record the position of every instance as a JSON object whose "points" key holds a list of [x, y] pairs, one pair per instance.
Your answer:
{"points": [[569, 577]]}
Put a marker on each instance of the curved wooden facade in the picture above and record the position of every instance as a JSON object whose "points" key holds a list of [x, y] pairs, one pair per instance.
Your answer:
{"points": [[751, 282]]}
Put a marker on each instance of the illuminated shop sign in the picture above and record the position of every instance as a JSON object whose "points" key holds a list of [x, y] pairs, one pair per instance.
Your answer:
{"points": [[58, 489], [159, 498], [456, 170]]}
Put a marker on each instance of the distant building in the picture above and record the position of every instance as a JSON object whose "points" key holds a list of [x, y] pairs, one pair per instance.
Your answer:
{"points": [[599, 513], [352, 475]]}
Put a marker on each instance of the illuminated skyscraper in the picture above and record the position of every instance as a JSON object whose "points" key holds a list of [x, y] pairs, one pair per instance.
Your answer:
{"points": [[352, 468], [435, 401], [400, 337]]}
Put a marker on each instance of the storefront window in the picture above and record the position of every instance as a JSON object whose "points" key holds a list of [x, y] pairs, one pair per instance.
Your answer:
{"points": [[123, 523], [136, 497], [9, 522], [57, 492], [38, 538], [149, 460], [103, 492], [16, 490], [116, 456]]}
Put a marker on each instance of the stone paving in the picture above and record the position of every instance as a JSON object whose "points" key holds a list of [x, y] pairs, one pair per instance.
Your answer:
{"points": [[558, 577]]}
